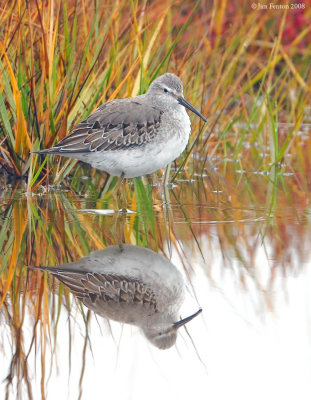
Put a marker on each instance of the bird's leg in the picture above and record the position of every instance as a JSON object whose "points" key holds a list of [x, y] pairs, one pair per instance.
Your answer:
{"points": [[118, 184], [121, 194], [116, 189], [124, 199], [121, 214], [119, 229]]}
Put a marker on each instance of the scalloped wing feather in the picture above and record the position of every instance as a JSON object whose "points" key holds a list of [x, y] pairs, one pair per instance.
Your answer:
{"points": [[96, 289], [116, 125]]}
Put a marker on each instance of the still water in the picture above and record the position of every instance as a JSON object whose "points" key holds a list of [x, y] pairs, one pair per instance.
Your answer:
{"points": [[237, 247]]}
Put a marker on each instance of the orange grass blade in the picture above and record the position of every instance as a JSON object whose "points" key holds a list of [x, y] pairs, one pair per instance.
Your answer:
{"points": [[22, 139], [20, 223]]}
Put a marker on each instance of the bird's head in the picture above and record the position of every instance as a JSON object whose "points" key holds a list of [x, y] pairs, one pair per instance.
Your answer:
{"points": [[163, 334], [167, 90]]}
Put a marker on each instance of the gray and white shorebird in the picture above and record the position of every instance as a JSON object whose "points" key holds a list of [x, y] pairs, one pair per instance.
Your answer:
{"points": [[133, 285], [134, 136]]}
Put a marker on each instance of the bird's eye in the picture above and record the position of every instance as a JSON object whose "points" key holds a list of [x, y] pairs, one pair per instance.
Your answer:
{"points": [[165, 90]]}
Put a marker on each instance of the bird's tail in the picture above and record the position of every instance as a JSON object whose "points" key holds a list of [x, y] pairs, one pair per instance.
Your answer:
{"points": [[34, 267], [45, 151]]}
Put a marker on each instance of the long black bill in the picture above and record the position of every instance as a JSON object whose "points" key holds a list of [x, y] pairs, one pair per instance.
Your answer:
{"points": [[184, 321], [186, 104]]}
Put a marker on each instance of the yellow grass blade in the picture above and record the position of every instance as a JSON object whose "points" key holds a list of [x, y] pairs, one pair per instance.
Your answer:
{"points": [[20, 223], [22, 139], [147, 54]]}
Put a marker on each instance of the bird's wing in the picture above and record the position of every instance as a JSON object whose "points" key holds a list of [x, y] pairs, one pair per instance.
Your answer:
{"points": [[116, 125], [101, 292]]}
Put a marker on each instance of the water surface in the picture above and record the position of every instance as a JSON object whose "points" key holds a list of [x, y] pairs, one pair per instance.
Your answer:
{"points": [[239, 238]]}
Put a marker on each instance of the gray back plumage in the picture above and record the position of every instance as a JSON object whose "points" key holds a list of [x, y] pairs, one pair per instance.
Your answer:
{"points": [[110, 295], [120, 124], [116, 125]]}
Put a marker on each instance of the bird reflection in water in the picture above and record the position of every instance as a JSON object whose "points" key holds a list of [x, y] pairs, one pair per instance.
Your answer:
{"points": [[131, 284]]}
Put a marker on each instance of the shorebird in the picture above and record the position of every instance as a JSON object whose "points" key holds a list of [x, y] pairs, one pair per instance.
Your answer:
{"points": [[134, 136], [133, 285]]}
